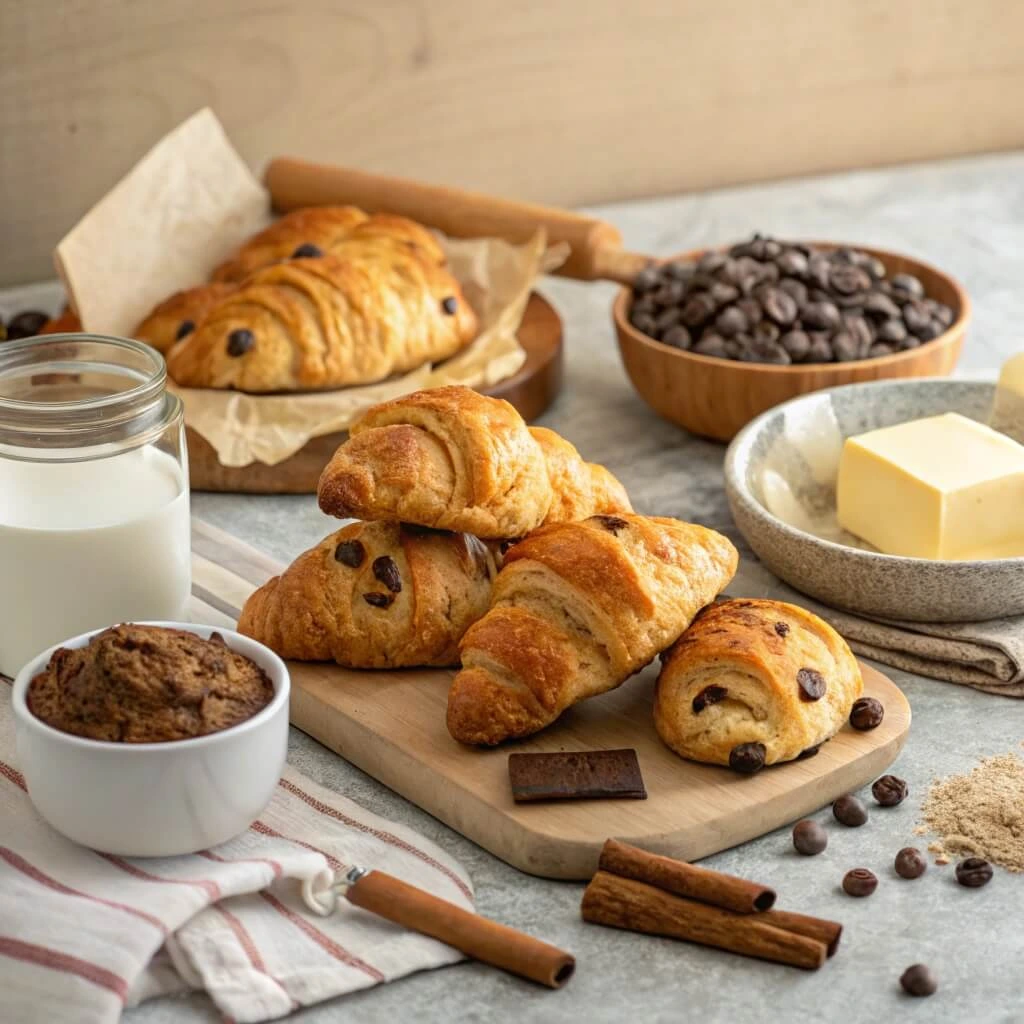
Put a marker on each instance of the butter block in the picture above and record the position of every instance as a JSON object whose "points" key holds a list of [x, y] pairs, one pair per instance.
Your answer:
{"points": [[943, 487]]}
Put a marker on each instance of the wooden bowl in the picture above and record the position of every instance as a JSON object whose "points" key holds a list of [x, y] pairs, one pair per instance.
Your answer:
{"points": [[717, 397]]}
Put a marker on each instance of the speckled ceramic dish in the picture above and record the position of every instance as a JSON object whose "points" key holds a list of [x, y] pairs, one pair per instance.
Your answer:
{"points": [[780, 475]]}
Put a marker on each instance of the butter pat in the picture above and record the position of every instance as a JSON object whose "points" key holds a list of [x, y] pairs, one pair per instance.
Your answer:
{"points": [[1011, 377], [942, 487], [1008, 406]]}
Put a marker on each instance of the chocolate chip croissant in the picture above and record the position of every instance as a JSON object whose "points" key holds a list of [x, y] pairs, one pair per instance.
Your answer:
{"points": [[577, 609], [375, 595], [755, 682], [453, 459], [372, 308]]}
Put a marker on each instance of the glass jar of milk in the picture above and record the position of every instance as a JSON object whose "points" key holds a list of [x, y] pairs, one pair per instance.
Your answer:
{"points": [[94, 499]]}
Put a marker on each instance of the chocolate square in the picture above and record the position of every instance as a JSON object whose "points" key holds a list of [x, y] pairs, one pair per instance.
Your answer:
{"points": [[576, 775]]}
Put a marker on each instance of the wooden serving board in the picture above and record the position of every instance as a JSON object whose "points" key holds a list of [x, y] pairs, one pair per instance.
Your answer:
{"points": [[392, 726], [531, 390]]}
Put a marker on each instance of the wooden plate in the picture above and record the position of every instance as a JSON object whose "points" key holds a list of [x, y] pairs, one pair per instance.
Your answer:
{"points": [[531, 391], [392, 726]]}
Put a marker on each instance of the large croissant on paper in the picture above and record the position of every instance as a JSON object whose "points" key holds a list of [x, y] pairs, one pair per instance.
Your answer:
{"points": [[372, 305], [577, 609], [375, 595], [450, 458]]}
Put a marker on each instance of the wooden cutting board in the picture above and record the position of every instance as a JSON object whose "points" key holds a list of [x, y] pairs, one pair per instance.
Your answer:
{"points": [[531, 390], [392, 726]]}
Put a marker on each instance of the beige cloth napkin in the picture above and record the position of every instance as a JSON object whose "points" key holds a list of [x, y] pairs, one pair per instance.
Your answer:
{"points": [[988, 656], [83, 934]]}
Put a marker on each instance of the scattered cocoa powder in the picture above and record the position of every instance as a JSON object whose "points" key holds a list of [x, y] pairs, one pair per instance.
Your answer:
{"points": [[980, 814]]}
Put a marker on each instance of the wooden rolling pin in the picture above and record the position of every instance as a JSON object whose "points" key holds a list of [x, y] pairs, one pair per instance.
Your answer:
{"points": [[596, 246]]}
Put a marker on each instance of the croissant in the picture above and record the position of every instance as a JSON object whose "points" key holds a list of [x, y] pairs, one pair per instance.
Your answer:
{"points": [[578, 608], [453, 459], [375, 309], [315, 231], [755, 682], [175, 318], [375, 595]]}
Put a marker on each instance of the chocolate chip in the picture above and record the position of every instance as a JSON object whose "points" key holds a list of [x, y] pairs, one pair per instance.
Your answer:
{"points": [[866, 713], [25, 325], [240, 341], [350, 553], [678, 337], [910, 863], [918, 980], [678, 270], [385, 570], [611, 523], [889, 790], [186, 327], [809, 752], [647, 279], [809, 838], [669, 293], [812, 684], [974, 872], [747, 757], [644, 323], [378, 600], [709, 695], [449, 304], [860, 882], [849, 811], [307, 251], [782, 628]]}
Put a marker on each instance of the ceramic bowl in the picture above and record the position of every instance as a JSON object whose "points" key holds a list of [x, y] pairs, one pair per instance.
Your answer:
{"points": [[716, 397], [780, 475], [155, 799]]}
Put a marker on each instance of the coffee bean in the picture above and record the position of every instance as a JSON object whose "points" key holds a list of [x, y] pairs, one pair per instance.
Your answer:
{"points": [[240, 341], [908, 343], [764, 333], [350, 553], [811, 683], [747, 758], [889, 790], [644, 323], [797, 289], [751, 309], [678, 270], [449, 304], [378, 600], [845, 347], [820, 350], [731, 321], [809, 838], [892, 332], [916, 317], [677, 337], [931, 330], [872, 264], [974, 872], [859, 882], [879, 349], [910, 863], [307, 251], [769, 273], [712, 262], [797, 344], [647, 279], [762, 350], [666, 318], [670, 293], [185, 328], [734, 347], [724, 293], [25, 325], [907, 284], [918, 980], [822, 316], [849, 811], [847, 279], [701, 283], [779, 306], [792, 263], [819, 269], [880, 307], [385, 570], [940, 312], [712, 345], [866, 713], [697, 310], [709, 695]]}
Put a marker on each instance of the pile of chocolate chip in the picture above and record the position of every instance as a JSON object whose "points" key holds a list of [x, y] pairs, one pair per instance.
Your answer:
{"points": [[766, 301]]}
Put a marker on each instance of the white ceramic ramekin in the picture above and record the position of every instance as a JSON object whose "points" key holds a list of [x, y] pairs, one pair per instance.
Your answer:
{"points": [[156, 799]]}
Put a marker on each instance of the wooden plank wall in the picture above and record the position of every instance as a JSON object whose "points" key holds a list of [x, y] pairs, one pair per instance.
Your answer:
{"points": [[565, 101]]}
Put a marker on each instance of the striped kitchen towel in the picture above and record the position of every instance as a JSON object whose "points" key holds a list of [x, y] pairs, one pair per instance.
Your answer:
{"points": [[83, 934]]}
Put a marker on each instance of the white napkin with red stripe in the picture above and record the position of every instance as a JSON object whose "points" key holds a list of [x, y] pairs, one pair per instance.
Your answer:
{"points": [[83, 934]]}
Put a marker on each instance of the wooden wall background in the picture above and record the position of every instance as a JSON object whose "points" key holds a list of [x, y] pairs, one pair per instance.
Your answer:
{"points": [[564, 101]]}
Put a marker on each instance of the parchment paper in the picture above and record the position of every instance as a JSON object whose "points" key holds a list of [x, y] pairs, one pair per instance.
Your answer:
{"points": [[183, 209]]}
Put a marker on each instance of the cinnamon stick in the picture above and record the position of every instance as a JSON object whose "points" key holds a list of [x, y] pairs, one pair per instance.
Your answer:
{"points": [[625, 903], [475, 936], [818, 928], [676, 876]]}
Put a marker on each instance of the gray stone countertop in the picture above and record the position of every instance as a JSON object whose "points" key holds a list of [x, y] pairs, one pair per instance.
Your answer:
{"points": [[966, 216]]}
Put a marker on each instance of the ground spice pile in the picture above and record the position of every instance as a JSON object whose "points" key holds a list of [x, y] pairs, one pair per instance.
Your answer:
{"points": [[980, 814]]}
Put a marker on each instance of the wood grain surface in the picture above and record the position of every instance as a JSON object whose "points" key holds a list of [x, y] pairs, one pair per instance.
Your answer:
{"points": [[566, 103], [392, 726]]}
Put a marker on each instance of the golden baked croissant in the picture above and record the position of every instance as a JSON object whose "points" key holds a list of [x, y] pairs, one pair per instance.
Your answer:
{"points": [[453, 459], [328, 322], [176, 317], [754, 682], [375, 595], [578, 608], [315, 231]]}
